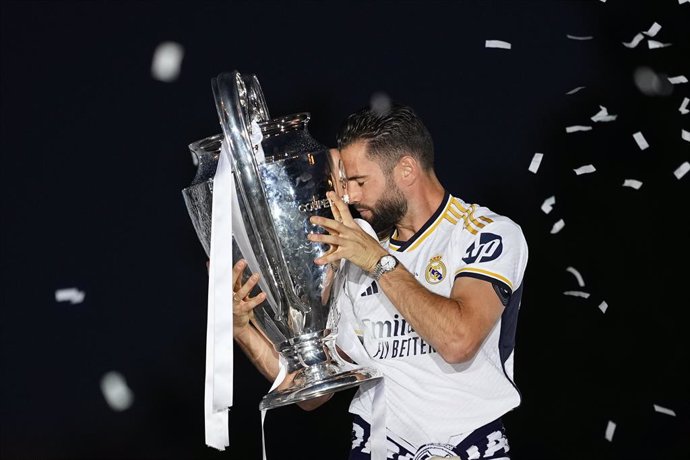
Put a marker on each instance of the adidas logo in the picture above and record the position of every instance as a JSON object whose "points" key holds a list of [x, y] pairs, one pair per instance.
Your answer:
{"points": [[371, 290]]}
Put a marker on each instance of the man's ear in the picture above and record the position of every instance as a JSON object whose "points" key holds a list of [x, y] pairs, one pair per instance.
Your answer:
{"points": [[408, 170]]}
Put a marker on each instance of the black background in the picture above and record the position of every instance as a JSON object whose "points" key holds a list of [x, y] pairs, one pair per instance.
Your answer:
{"points": [[94, 157]]}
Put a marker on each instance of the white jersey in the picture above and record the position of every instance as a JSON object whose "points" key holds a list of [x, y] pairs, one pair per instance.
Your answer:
{"points": [[427, 399]]}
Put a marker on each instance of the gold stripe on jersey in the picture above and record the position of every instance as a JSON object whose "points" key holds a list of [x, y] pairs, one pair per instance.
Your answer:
{"points": [[454, 212], [485, 272], [467, 214]]}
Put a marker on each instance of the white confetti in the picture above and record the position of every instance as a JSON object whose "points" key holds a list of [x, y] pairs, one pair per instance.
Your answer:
{"points": [[580, 37], [635, 41], [683, 109], [632, 183], [603, 115], [680, 2], [575, 90], [584, 295], [685, 135], [576, 128], [681, 170], [663, 410], [72, 295], [678, 79], [536, 161], [653, 30], [653, 44], [497, 44], [116, 392], [576, 274], [167, 60], [641, 141], [380, 103], [557, 227], [586, 169], [603, 306], [547, 205], [651, 84], [610, 428]]}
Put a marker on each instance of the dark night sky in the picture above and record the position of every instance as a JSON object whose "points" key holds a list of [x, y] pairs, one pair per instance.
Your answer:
{"points": [[94, 155]]}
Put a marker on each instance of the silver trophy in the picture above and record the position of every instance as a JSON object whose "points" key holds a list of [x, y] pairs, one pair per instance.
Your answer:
{"points": [[277, 196]]}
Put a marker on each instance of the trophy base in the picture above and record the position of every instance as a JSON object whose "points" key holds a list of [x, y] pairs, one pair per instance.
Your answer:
{"points": [[338, 382]]}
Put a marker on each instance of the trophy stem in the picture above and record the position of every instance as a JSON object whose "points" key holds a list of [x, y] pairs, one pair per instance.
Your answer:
{"points": [[314, 369]]}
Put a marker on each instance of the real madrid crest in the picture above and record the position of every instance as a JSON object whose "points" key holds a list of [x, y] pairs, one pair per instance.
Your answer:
{"points": [[435, 270]]}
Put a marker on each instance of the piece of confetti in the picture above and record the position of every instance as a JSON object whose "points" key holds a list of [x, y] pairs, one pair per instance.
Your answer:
{"points": [[575, 90], [579, 37], [536, 161], [557, 227], [497, 44], [584, 295], [682, 170], [641, 141], [603, 115], [116, 392], [586, 169], [610, 429], [653, 44], [634, 42], [653, 30], [603, 306], [683, 109], [72, 295], [547, 205], [651, 84], [632, 183], [167, 60], [380, 103], [576, 128], [576, 274], [663, 410], [678, 79], [685, 135], [680, 2]]}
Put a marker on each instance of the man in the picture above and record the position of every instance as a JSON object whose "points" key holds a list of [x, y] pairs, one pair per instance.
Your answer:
{"points": [[433, 306]]}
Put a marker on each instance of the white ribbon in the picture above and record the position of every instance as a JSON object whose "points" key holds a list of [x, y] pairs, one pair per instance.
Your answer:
{"points": [[219, 341], [282, 372]]}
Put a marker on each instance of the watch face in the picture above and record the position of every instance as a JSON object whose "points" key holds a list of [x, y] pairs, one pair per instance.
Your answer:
{"points": [[388, 263]]}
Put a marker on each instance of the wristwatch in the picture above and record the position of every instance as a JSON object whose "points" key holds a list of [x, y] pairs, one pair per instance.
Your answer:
{"points": [[385, 264]]}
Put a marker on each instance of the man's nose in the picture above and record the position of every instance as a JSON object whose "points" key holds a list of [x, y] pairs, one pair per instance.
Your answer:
{"points": [[354, 192]]}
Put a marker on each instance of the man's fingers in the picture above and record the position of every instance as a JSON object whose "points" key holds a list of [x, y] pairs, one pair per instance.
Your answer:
{"points": [[331, 225], [247, 287], [342, 209], [333, 240], [248, 304], [237, 270]]}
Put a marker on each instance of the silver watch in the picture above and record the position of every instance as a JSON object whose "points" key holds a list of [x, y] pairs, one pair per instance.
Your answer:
{"points": [[385, 264]]}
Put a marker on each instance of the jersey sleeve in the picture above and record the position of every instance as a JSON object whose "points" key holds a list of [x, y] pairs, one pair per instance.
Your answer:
{"points": [[497, 254]]}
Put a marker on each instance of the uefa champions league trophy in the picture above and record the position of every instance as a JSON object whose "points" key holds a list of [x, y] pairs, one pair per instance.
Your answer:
{"points": [[277, 195]]}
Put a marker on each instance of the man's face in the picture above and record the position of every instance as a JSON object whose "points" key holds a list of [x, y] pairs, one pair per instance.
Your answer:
{"points": [[372, 193]]}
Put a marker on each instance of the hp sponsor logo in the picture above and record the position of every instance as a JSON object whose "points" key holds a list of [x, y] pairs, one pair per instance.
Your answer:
{"points": [[489, 248]]}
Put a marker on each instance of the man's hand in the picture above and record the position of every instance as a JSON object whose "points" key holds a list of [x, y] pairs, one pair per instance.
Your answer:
{"points": [[347, 239], [243, 305]]}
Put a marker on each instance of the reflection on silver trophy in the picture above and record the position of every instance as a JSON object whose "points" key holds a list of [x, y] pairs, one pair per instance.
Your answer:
{"points": [[277, 195]]}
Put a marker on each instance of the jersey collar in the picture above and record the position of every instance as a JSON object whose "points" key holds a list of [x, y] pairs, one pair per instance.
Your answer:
{"points": [[422, 233]]}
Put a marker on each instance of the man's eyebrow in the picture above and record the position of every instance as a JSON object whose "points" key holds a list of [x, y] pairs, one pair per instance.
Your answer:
{"points": [[350, 178]]}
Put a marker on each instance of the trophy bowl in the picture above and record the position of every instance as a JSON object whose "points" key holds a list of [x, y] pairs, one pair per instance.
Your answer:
{"points": [[281, 176]]}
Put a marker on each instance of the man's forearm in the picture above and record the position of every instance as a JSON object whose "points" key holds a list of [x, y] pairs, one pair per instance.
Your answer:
{"points": [[259, 351]]}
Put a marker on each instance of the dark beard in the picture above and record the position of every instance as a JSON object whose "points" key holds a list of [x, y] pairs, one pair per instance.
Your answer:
{"points": [[387, 211]]}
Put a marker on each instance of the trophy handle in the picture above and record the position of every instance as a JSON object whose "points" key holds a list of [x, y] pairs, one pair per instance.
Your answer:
{"points": [[256, 103], [238, 105]]}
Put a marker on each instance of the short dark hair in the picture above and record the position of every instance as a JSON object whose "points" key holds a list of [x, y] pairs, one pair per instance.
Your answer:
{"points": [[390, 134]]}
